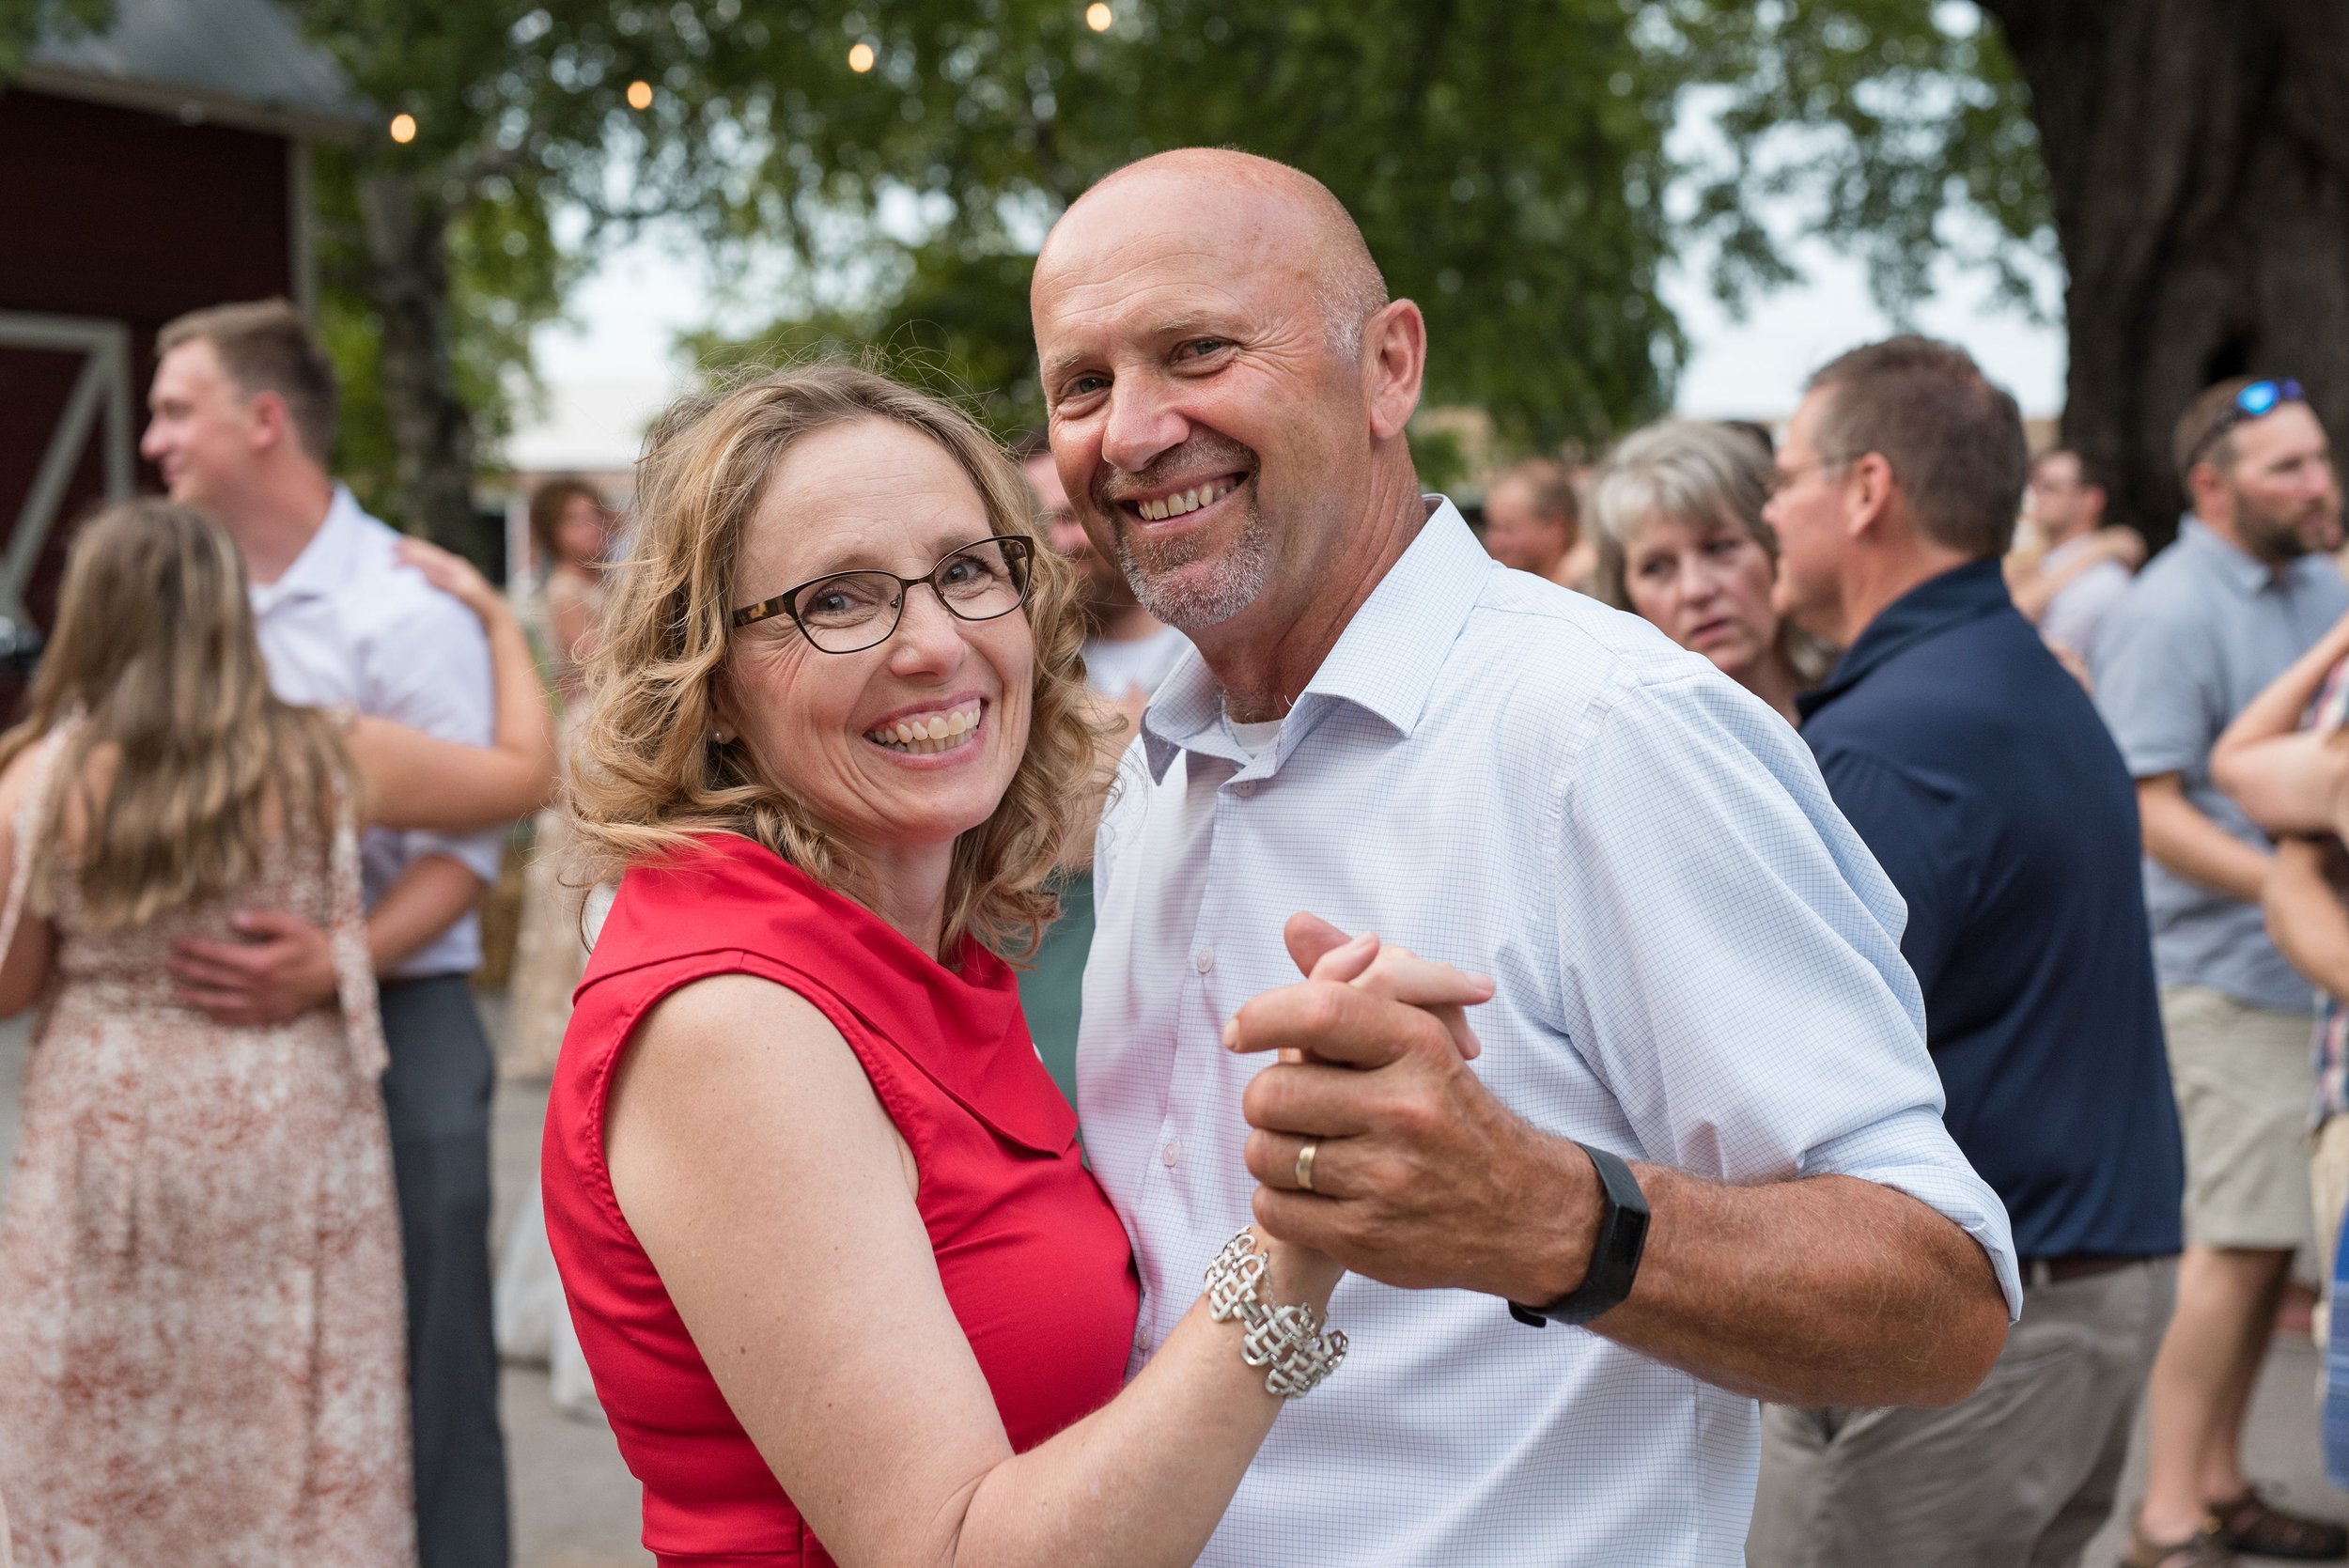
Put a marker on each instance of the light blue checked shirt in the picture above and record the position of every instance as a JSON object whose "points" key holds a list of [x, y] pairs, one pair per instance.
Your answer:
{"points": [[1698, 964]]}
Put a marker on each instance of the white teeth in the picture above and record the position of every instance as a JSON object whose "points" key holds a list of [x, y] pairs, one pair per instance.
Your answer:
{"points": [[1181, 501], [922, 736]]}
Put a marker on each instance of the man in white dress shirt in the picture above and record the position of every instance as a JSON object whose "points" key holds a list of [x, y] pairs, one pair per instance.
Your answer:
{"points": [[1696, 960], [243, 420]]}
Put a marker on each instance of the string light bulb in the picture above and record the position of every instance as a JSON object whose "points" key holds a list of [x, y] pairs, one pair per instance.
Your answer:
{"points": [[639, 95], [860, 57], [403, 128], [1098, 16]]}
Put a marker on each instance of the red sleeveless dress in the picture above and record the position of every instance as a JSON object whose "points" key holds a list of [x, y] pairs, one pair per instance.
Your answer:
{"points": [[1034, 1261]]}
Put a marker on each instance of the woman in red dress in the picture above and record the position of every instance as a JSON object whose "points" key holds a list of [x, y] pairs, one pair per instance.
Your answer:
{"points": [[847, 1289]]}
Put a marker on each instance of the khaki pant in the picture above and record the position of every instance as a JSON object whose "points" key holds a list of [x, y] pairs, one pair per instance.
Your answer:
{"points": [[2242, 1078], [2021, 1474]]}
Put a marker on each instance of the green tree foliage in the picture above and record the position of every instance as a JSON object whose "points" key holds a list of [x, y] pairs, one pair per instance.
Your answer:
{"points": [[1505, 161], [438, 253], [1901, 126], [23, 22]]}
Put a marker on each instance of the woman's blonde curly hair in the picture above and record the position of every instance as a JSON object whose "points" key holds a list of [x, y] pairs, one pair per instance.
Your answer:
{"points": [[647, 777], [155, 643]]}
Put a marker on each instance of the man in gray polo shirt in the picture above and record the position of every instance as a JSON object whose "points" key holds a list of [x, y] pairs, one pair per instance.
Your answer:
{"points": [[2247, 588]]}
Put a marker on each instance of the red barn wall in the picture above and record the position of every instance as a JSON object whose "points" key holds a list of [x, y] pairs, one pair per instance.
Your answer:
{"points": [[130, 217]]}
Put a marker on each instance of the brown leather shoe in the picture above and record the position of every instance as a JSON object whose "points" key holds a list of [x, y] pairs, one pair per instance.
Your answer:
{"points": [[2205, 1548], [2250, 1525]]}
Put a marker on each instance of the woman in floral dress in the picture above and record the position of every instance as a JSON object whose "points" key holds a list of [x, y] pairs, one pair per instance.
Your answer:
{"points": [[202, 1360], [569, 530]]}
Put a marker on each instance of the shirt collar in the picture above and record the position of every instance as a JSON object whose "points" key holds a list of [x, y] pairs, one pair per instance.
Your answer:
{"points": [[2239, 567], [325, 563], [1385, 661], [1963, 593]]}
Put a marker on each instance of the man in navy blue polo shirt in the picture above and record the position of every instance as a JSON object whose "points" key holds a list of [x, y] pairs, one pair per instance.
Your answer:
{"points": [[1980, 775]]}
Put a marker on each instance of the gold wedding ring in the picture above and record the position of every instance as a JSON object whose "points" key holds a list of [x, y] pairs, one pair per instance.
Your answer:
{"points": [[1305, 1164]]}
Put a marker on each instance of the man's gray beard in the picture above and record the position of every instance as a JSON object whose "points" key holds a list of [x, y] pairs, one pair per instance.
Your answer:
{"points": [[1201, 599]]}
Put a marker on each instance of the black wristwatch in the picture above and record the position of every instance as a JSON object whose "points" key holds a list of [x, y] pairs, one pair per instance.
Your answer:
{"points": [[1614, 1257]]}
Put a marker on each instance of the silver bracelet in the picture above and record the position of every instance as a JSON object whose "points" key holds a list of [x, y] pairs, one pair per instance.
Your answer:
{"points": [[1288, 1340]]}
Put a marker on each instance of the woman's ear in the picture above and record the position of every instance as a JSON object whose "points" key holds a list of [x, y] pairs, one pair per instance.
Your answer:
{"points": [[722, 729]]}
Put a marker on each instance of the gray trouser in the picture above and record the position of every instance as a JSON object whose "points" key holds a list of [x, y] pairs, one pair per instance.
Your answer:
{"points": [[437, 1096], [2020, 1474]]}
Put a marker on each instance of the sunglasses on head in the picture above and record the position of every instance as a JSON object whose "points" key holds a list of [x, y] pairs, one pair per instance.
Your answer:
{"points": [[2255, 401]]}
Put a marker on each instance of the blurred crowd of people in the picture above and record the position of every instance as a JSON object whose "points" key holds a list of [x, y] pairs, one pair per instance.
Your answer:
{"points": [[2009, 808], [273, 751]]}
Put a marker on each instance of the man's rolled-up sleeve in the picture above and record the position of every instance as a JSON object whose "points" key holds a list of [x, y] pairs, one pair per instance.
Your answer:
{"points": [[430, 670], [1731, 960]]}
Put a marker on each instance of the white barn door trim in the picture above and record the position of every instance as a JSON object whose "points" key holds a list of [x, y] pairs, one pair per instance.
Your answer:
{"points": [[103, 386]]}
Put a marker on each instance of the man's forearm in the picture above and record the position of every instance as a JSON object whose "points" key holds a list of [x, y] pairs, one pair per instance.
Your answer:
{"points": [[431, 895], [2305, 916], [2188, 844], [1830, 1290]]}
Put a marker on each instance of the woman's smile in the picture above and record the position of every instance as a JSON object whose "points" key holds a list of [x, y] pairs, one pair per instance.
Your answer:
{"points": [[934, 733]]}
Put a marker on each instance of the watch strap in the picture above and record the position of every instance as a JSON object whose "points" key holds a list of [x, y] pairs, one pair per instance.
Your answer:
{"points": [[1615, 1254]]}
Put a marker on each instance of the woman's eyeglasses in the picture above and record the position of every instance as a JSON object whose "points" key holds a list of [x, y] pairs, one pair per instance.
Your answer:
{"points": [[2255, 401], [852, 611]]}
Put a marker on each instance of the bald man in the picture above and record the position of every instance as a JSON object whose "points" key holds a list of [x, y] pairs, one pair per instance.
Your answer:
{"points": [[1702, 1121]]}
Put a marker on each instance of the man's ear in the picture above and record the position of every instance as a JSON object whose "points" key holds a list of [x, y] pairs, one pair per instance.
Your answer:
{"points": [[1395, 363], [1868, 487], [2205, 484], [270, 423]]}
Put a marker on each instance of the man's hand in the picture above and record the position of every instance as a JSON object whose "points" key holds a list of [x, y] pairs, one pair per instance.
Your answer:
{"points": [[284, 969], [1828, 1290], [1422, 1177]]}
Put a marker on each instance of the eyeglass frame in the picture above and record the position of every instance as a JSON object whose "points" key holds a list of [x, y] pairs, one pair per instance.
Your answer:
{"points": [[1783, 480], [2286, 390], [1019, 555]]}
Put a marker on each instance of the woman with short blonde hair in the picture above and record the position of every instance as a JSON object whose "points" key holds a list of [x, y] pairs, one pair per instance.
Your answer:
{"points": [[1682, 543], [847, 1288]]}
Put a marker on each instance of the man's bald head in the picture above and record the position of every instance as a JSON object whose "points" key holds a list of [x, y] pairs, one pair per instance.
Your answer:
{"points": [[1228, 387], [1349, 285]]}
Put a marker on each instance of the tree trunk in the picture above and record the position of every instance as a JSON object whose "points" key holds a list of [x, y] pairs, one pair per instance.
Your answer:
{"points": [[405, 281], [2198, 152]]}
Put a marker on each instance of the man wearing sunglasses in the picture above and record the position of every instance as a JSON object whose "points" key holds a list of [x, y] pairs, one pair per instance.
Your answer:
{"points": [[2246, 589]]}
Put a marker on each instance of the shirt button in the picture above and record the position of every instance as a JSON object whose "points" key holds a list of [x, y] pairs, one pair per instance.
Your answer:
{"points": [[1172, 1151], [1244, 788], [1204, 959]]}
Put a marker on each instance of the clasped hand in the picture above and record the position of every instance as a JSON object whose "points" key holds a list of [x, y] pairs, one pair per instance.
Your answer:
{"points": [[1421, 1176]]}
